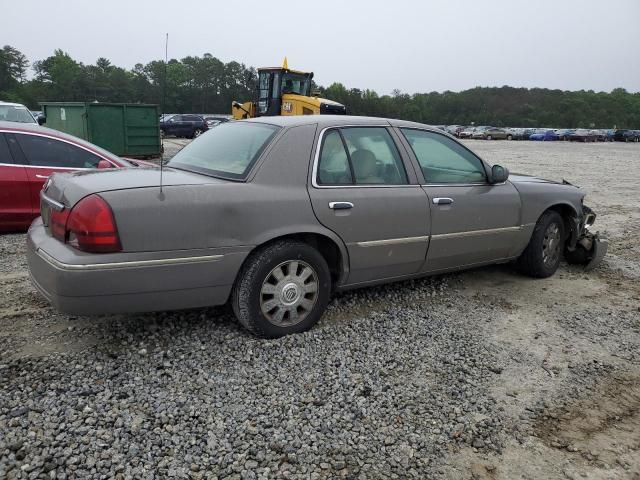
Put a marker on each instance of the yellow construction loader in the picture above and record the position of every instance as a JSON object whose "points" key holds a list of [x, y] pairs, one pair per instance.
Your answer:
{"points": [[282, 91]]}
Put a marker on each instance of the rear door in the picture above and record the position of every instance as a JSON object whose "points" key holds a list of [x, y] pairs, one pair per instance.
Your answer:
{"points": [[44, 156], [16, 210], [472, 221], [363, 191]]}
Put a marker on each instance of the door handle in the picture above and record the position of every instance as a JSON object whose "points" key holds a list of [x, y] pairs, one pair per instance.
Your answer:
{"points": [[340, 205], [44, 177], [442, 201]]}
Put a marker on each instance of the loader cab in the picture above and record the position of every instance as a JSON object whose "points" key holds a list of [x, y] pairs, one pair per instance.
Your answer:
{"points": [[275, 82]]}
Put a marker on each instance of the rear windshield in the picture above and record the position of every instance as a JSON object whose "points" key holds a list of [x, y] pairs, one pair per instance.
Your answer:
{"points": [[227, 151], [12, 113]]}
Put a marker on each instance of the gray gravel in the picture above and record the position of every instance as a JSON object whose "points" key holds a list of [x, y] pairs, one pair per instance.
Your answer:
{"points": [[192, 395]]}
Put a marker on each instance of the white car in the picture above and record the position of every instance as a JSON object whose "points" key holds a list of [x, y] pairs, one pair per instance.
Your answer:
{"points": [[16, 112]]}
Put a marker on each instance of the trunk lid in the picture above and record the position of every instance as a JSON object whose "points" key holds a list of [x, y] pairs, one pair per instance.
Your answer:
{"points": [[69, 188]]}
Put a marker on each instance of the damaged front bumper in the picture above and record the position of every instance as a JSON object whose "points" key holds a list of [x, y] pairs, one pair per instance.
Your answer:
{"points": [[585, 247]]}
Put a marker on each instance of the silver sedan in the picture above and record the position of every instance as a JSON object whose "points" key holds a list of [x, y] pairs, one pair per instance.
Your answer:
{"points": [[274, 214]]}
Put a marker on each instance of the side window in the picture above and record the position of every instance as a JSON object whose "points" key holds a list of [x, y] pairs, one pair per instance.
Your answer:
{"points": [[374, 156], [443, 160], [5, 154], [48, 152], [370, 158], [333, 168]]}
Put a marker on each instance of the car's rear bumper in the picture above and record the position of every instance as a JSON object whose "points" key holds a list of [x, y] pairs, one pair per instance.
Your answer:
{"points": [[93, 284]]}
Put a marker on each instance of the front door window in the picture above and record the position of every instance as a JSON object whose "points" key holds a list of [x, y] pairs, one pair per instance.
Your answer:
{"points": [[443, 160]]}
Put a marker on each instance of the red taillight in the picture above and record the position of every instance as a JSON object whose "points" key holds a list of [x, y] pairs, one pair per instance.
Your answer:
{"points": [[58, 224], [89, 226]]}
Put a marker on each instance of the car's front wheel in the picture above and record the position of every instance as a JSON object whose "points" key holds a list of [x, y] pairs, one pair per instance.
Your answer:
{"points": [[282, 288], [542, 256]]}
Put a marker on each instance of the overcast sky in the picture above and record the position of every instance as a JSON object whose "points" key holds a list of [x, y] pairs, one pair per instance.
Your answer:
{"points": [[415, 46]]}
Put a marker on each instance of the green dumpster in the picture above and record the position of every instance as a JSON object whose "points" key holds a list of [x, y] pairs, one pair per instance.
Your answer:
{"points": [[126, 129]]}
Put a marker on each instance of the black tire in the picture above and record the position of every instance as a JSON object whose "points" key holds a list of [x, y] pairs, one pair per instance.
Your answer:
{"points": [[489, 137], [247, 295], [196, 133], [509, 137], [532, 261]]}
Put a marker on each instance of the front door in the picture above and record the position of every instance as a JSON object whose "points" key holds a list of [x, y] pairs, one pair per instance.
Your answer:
{"points": [[472, 222], [362, 192]]}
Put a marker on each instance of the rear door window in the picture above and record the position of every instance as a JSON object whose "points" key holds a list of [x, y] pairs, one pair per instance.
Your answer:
{"points": [[360, 156], [48, 152], [334, 168], [5, 154]]}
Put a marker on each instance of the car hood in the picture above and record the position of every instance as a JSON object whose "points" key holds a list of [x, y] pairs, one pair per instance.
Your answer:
{"points": [[69, 188], [522, 178]]}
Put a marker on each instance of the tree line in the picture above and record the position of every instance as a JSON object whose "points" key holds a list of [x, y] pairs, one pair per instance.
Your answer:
{"points": [[208, 85]]}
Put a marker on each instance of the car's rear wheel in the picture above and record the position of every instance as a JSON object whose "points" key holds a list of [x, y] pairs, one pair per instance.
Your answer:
{"points": [[509, 137], [282, 288], [197, 132], [542, 256]]}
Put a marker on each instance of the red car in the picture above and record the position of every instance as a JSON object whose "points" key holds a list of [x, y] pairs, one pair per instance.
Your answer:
{"points": [[28, 155]]}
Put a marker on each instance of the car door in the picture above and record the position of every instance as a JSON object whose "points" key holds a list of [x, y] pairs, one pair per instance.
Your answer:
{"points": [[173, 125], [363, 191], [45, 155], [186, 125], [16, 210], [472, 221]]}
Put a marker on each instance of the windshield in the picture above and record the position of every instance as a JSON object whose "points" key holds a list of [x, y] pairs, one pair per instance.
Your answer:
{"points": [[295, 83], [227, 151], [13, 113]]}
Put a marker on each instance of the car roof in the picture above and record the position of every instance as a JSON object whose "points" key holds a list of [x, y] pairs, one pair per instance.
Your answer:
{"points": [[324, 121], [37, 129], [12, 104]]}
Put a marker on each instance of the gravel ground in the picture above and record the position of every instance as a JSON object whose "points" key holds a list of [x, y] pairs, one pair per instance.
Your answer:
{"points": [[481, 374]]}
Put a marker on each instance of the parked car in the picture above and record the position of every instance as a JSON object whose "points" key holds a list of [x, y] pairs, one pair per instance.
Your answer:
{"points": [[29, 154], [494, 133], [564, 133], [15, 112], [609, 135], [601, 135], [582, 135], [455, 129], [275, 213], [622, 135], [189, 126], [545, 136], [467, 132], [213, 120], [478, 132], [515, 133]]}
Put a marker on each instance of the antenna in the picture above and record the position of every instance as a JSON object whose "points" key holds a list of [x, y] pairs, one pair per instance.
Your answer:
{"points": [[164, 96]]}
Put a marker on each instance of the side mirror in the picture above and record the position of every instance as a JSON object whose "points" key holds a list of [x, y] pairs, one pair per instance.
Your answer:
{"points": [[499, 174], [42, 119], [104, 164]]}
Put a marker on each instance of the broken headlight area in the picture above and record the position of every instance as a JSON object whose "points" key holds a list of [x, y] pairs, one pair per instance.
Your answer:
{"points": [[586, 247]]}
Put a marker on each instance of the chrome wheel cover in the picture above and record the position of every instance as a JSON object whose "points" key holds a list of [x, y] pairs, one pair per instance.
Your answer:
{"points": [[551, 245], [289, 293]]}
